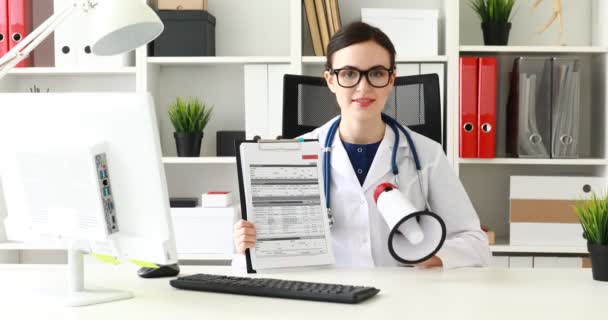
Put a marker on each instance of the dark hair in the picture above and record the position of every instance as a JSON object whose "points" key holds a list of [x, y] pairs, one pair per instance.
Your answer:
{"points": [[357, 32]]}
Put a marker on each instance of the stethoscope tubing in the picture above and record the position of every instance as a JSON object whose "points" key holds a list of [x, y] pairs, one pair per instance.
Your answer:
{"points": [[331, 133]]}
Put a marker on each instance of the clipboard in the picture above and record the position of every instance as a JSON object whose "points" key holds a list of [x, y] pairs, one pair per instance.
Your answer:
{"points": [[298, 160]]}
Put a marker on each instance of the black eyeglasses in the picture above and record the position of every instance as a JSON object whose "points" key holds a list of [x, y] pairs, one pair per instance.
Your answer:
{"points": [[350, 77]]}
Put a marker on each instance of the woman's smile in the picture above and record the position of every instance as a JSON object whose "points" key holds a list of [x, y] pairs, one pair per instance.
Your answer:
{"points": [[364, 102]]}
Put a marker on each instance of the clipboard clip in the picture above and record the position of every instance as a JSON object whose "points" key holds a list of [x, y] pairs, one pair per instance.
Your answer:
{"points": [[285, 144]]}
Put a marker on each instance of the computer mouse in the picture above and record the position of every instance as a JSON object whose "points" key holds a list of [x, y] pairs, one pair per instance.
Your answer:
{"points": [[170, 270]]}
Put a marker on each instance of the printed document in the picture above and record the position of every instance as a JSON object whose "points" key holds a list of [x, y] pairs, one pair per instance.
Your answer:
{"points": [[283, 188]]}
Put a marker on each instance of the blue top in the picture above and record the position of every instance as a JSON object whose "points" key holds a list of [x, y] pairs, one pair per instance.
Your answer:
{"points": [[361, 157]]}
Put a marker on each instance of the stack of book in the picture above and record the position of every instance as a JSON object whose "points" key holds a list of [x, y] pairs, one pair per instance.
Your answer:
{"points": [[323, 17]]}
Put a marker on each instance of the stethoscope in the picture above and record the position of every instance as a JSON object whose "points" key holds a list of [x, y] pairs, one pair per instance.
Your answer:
{"points": [[396, 127]]}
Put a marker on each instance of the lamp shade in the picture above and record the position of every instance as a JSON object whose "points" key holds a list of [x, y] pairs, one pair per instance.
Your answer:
{"points": [[119, 26]]}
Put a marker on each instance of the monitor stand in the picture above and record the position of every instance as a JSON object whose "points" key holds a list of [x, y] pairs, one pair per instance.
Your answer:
{"points": [[76, 294]]}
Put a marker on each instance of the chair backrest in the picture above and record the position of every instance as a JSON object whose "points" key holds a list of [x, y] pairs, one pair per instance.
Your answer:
{"points": [[414, 101]]}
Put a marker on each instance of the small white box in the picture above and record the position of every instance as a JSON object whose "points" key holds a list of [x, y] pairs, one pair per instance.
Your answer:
{"points": [[216, 199], [413, 32], [204, 230]]}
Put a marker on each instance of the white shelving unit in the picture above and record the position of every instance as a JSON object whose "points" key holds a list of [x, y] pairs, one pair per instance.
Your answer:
{"points": [[273, 34], [533, 49], [548, 162], [17, 246], [10, 245], [321, 60], [505, 248], [585, 36], [72, 71], [180, 61], [199, 160]]}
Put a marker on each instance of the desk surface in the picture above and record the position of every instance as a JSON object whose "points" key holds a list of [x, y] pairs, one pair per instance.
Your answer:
{"points": [[406, 293]]}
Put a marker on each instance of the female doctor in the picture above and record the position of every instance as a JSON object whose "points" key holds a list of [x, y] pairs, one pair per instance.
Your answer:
{"points": [[360, 71]]}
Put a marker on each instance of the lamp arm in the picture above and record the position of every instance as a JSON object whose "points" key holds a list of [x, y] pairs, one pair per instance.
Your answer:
{"points": [[32, 40]]}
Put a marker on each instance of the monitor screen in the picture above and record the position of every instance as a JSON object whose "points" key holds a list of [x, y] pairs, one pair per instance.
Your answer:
{"points": [[86, 168]]}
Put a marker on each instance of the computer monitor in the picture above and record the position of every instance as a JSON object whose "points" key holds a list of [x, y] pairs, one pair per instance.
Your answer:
{"points": [[85, 169]]}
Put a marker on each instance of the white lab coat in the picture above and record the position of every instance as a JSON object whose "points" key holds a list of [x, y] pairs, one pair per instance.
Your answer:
{"points": [[360, 233]]}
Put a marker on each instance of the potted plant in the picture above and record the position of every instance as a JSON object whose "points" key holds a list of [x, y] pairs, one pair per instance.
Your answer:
{"points": [[593, 215], [189, 118], [495, 18]]}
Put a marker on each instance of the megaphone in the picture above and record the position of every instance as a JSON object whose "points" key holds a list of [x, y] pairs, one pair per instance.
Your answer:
{"points": [[420, 233]]}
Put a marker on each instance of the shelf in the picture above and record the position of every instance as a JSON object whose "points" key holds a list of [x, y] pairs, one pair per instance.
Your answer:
{"points": [[267, 60], [61, 71], [321, 59], [9, 245], [421, 59], [522, 161], [177, 61], [314, 59], [498, 248], [205, 256], [505, 248], [533, 49], [46, 246], [199, 160]]}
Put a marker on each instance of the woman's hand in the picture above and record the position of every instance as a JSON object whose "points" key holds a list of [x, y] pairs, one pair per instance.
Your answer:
{"points": [[244, 235], [433, 262]]}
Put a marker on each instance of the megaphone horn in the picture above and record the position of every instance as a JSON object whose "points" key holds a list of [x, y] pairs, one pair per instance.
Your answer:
{"points": [[416, 235]]}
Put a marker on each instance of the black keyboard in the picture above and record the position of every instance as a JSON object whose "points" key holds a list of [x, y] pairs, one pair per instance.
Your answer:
{"points": [[275, 288]]}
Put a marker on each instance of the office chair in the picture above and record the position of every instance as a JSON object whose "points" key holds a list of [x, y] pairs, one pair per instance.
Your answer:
{"points": [[414, 101]]}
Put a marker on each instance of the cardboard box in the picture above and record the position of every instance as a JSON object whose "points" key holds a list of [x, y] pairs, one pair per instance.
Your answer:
{"points": [[182, 5], [586, 263], [204, 230], [413, 32], [187, 33], [541, 209]]}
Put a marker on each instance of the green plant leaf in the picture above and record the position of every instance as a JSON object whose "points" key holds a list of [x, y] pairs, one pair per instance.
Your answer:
{"points": [[189, 115], [593, 216], [493, 10]]}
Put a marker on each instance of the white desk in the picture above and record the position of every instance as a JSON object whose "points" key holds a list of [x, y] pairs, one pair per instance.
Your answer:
{"points": [[405, 294]]}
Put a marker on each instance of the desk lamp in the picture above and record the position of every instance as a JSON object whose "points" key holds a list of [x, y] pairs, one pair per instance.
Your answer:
{"points": [[118, 26]]}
